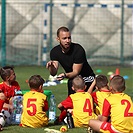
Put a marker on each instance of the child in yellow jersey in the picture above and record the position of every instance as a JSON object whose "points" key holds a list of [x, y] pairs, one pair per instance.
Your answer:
{"points": [[79, 104], [35, 104], [102, 91], [120, 108]]}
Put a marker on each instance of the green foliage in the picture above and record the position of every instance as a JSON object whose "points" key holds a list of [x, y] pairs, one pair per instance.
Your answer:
{"points": [[60, 91]]}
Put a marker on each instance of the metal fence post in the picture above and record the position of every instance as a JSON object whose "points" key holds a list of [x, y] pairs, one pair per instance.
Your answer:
{"points": [[122, 33], [3, 33]]}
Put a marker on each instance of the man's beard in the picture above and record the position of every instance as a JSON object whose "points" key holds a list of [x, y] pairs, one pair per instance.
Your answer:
{"points": [[64, 49]]}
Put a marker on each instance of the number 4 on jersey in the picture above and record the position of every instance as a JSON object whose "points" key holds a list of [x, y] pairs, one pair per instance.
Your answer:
{"points": [[87, 107]]}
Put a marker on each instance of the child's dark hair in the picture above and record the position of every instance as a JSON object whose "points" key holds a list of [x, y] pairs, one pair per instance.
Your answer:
{"points": [[35, 81], [118, 83], [101, 81], [6, 72]]}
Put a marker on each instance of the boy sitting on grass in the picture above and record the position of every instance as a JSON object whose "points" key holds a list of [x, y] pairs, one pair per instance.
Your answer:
{"points": [[35, 104], [8, 87], [102, 91], [120, 108], [2, 120], [79, 104]]}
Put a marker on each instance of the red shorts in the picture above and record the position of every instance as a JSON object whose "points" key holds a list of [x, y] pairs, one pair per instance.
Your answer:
{"points": [[108, 128]]}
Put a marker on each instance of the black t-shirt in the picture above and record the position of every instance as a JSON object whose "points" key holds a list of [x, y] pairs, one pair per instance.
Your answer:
{"points": [[75, 55]]}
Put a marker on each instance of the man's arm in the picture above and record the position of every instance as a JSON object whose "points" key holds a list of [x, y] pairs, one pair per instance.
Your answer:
{"points": [[52, 66], [75, 71]]}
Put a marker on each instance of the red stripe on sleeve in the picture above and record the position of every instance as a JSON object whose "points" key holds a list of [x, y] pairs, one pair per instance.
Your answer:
{"points": [[1, 104], [67, 103], [106, 108], [46, 106], [94, 96]]}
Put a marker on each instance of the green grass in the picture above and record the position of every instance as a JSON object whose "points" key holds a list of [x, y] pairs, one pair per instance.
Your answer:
{"points": [[60, 91]]}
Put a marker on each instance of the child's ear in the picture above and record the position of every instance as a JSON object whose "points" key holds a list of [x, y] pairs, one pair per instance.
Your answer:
{"points": [[111, 89], [73, 88], [40, 88], [85, 87]]}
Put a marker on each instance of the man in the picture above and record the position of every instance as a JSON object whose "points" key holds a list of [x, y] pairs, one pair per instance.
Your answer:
{"points": [[72, 58]]}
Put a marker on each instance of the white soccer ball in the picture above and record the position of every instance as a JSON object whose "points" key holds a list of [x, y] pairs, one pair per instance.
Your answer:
{"points": [[6, 116]]}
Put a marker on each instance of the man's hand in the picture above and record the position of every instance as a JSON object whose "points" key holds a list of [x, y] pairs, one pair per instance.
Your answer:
{"points": [[52, 66], [61, 76]]}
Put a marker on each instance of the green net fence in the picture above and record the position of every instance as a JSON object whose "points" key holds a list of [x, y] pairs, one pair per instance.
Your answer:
{"points": [[103, 28]]}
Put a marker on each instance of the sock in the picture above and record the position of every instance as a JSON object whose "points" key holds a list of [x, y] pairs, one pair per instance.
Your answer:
{"points": [[62, 115]]}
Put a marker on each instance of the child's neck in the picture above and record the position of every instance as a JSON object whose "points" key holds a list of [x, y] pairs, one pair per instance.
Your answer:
{"points": [[104, 89], [80, 90], [7, 83]]}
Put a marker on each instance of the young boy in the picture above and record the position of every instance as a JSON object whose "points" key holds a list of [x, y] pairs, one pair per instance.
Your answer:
{"points": [[9, 85], [2, 100], [101, 85], [80, 103], [35, 104], [120, 108]]}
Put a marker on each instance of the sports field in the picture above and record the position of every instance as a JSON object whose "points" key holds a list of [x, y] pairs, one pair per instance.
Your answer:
{"points": [[60, 91]]}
